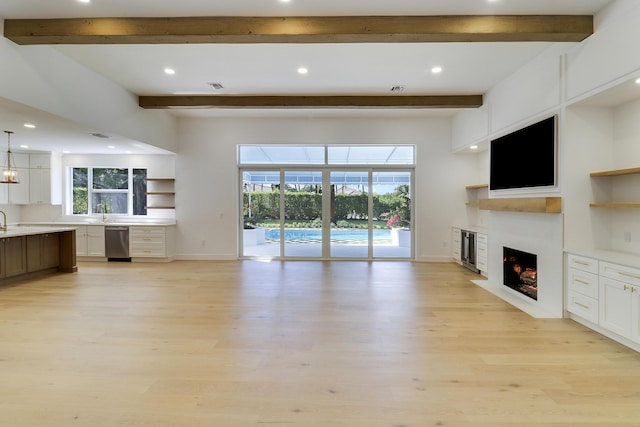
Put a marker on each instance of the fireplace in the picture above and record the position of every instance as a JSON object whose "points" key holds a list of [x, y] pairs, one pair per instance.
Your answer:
{"points": [[520, 272]]}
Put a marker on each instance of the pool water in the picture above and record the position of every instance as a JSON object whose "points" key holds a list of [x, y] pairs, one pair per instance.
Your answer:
{"points": [[314, 235]]}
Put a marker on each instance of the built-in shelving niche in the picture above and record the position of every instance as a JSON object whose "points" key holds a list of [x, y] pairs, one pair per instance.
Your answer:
{"points": [[163, 192], [610, 174]]}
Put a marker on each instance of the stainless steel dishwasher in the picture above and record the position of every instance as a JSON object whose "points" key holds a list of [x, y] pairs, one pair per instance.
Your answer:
{"points": [[116, 242]]}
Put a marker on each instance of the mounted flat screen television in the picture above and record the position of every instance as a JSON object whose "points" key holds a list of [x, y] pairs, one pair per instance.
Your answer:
{"points": [[526, 158]]}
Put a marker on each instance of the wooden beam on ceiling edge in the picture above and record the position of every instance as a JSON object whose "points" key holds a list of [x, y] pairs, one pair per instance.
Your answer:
{"points": [[332, 29], [285, 102]]}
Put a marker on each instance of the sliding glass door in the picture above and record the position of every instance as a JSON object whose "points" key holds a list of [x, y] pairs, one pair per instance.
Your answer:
{"points": [[323, 211], [350, 214], [302, 226]]}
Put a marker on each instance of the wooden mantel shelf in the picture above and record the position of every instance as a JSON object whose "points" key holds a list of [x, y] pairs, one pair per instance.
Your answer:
{"points": [[523, 204], [477, 186]]}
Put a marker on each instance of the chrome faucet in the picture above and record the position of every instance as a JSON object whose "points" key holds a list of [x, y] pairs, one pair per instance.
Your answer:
{"points": [[102, 208], [4, 221]]}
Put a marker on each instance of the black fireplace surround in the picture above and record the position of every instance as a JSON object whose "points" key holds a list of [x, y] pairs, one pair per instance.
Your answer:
{"points": [[520, 272]]}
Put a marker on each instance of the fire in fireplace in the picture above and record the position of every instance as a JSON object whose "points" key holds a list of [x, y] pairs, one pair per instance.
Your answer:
{"points": [[521, 271]]}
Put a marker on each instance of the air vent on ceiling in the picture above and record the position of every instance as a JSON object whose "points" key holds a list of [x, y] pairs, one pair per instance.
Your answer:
{"points": [[99, 135], [216, 86], [397, 88]]}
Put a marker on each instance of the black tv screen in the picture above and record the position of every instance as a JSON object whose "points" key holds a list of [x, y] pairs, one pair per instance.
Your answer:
{"points": [[525, 158]]}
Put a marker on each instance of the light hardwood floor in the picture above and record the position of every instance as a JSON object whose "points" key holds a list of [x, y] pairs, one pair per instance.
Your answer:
{"points": [[248, 343]]}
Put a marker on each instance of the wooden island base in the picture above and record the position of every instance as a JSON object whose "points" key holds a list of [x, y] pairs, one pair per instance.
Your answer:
{"points": [[29, 251]]}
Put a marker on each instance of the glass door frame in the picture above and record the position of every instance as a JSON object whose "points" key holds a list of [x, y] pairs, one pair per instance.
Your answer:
{"points": [[326, 207]]}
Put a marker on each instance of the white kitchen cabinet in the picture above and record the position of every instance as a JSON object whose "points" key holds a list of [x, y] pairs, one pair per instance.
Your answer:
{"points": [[95, 240], [40, 186], [581, 279], [606, 294], [615, 306], [19, 193], [456, 239], [482, 253], [81, 241], [635, 314], [147, 241], [35, 174], [39, 161], [41, 173], [620, 300], [152, 242]]}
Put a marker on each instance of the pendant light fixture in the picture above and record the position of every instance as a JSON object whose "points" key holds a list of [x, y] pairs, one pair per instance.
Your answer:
{"points": [[9, 173]]}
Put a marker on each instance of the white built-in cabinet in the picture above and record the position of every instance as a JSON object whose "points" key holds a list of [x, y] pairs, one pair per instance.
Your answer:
{"points": [[35, 180], [95, 240], [482, 253], [40, 178], [605, 294], [456, 245], [90, 241], [151, 241]]}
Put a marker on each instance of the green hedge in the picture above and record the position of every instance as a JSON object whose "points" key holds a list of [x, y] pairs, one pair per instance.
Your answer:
{"points": [[307, 206]]}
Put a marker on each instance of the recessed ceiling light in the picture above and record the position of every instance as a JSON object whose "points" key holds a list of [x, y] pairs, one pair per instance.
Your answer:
{"points": [[29, 125], [66, 152], [24, 146], [285, 1], [638, 81], [169, 71], [84, 1], [436, 70], [111, 147], [473, 147], [302, 70]]}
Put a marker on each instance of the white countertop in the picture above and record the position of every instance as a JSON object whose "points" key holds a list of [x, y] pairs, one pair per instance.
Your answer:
{"points": [[616, 257], [15, 231], [474, 228], [82, 223]]}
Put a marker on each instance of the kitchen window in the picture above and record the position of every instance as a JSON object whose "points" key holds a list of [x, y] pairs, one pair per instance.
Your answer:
{"points": [[98, 191]]}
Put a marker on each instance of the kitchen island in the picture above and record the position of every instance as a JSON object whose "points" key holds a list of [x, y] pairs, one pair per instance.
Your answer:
{"points": [[30, 251]]}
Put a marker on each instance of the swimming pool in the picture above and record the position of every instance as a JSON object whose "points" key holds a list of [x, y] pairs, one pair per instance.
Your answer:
{"points": [[314, 235]]}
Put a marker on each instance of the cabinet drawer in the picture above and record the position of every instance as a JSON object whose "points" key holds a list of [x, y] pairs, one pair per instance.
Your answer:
{"points": [[95, 230], [482, 250], [147, 251], [583, 282], [583, 306], [619, 272], [481, 238], [146, 231], [147, 239], [582, 263]]}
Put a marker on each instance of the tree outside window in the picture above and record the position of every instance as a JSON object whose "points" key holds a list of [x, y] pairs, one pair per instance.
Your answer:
{"points": [[112, 191]]}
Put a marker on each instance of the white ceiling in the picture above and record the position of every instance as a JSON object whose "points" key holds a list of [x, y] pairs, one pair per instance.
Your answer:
{"points": [[469, 68]]}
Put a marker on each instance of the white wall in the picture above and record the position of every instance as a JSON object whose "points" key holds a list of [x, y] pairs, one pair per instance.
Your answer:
{"points": [[207, 182], [608, 55], [587, 143]]}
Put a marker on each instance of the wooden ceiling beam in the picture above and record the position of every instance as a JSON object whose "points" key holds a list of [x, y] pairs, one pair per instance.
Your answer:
{"points": [[332, 29], [322, 102]]}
